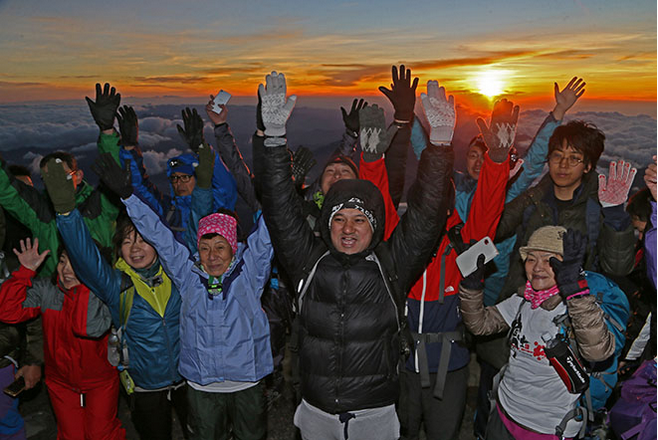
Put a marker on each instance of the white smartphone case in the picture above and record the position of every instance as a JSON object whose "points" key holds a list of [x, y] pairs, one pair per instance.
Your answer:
{"points": [[467, 261]]}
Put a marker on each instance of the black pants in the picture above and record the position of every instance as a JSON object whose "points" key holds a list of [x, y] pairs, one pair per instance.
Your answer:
{"points": [[442, 417], [483, 409], [151, 413], [496, 430]]}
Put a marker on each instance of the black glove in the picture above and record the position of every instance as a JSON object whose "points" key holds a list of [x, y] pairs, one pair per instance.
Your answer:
{"points": [[206, 167], [402, 94], [193, 132], [475, 281], [111, 174], [59, 185], [569, 276], [302, 162], [128, 126], [105, 107], [351, 119]]}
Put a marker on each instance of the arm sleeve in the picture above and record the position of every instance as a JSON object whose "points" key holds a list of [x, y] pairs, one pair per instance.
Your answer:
{"points": [[396, 162], [223, 186], [34, 342], [535, 158], [376, 173], [488, 201], [291, 235], [347, 146], [201, 207], [258, 257], [650, 247], [230, 154], [638, 345], [414, 238], [89, 266], [174, 256], [595, 341], [26, 204], [480, 320], [141, 181], [109, 143], [616, 250], [512, 217], [20, 301]]}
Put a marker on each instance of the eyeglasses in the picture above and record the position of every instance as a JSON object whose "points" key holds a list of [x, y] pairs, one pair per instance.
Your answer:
{"points": [[183, 178], [556, 158]]}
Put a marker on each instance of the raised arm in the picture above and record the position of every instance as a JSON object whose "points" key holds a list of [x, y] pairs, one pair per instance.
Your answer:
{"points": [[104, 110], [650, 177], [479, 320]]}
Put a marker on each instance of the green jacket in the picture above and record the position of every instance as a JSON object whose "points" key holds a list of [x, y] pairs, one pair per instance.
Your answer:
{"points": [[611, 247], [35, 211]]}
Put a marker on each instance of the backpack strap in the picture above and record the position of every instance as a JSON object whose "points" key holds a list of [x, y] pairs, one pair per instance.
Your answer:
{"points": [[125, 306], [446, 339], [170, 216], [308, 272], [578, 413]]}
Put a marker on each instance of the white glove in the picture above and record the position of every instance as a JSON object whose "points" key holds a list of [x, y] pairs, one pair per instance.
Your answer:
{"points": [[615, 191], [440, 113], [275, 111]]}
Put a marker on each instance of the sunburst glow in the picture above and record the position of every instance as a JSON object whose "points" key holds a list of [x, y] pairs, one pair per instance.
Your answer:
{"points": [[490, 84]]}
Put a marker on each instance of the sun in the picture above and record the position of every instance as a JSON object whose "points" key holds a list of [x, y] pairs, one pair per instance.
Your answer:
{"points": [[490, 84]]}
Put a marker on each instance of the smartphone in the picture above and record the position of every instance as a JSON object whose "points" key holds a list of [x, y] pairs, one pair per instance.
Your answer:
{"points": [[16, 387], [221, 98], [467, 260]]}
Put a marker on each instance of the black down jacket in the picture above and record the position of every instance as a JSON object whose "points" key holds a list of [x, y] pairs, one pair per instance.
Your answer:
{"points": [[349, 326]]}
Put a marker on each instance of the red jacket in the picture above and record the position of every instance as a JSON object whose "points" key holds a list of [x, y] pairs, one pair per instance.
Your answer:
{"points": [[75, 325]]}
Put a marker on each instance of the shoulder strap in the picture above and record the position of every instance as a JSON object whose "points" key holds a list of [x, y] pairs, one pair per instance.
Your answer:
{"points": [[455, 237], [125, 299], [308, 271]]}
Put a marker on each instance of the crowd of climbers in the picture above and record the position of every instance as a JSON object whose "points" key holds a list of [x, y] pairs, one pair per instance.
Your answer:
{"points": [[157, 293]]}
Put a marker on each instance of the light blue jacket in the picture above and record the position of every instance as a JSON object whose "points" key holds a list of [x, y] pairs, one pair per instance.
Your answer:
{"points": [[533, 166], [223, 337]]}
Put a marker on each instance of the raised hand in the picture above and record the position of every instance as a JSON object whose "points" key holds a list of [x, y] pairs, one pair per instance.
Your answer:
{"points": [[105, 107], [440, 113], [402, 94], [29, 255], [59, 185], [499, 135], [351, 119], [275, 109], [128, 126], [192, 134], [650, 177], [566, 98], [475, 281], [374, 137], [216, 118], [620, 179], [115, 178], [302, 162], [206, 166], [569, 274]]}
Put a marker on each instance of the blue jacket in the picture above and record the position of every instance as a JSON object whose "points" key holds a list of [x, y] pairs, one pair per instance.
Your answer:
{"points": [[153, 341], [533, 166], [223, 337], [177, 209]]}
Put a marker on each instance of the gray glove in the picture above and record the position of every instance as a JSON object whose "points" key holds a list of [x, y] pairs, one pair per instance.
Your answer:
{"points": [[275, 110], [374, 137], [440, 113]]}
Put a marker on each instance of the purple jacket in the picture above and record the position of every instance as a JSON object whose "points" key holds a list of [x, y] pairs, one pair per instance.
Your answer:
{"points": [[650, 246]]}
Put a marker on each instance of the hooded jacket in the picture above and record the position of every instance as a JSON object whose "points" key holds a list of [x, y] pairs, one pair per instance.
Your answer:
{"points": [[349, 347]]}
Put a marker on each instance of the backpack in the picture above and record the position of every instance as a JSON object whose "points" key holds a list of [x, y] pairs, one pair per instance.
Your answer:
{"points": [[603, 375], [634, 414]]}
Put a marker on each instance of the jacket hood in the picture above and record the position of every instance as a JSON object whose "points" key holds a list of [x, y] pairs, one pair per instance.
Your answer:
{"points": [[348, 193]]}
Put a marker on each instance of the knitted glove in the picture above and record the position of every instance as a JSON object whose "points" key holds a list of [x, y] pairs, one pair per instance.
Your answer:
{"points": [[615, 192], [499, 136], [402, 94], [128, 126], [374, 137], [59, 185], [351, 119], [193, 132], [111, 174], [105, 107], [275, 109], [475, 281], [206, 166], [569, 275], [440, 113], [302, 162]]}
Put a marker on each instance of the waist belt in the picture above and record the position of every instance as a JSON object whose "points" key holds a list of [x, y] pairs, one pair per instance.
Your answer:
{"points": [[446, 339]]}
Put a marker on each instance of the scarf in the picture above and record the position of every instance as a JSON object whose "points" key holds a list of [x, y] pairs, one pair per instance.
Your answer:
{"points": [[538, 297], [156, 289]]}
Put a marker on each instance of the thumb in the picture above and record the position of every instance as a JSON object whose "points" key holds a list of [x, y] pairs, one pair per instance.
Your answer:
{"points": [[555, 264], [602, 182], [290, 104], [556, 90], [482, 125]]}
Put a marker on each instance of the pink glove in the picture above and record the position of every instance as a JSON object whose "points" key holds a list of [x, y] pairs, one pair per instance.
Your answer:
{"points": [[615, 192]]}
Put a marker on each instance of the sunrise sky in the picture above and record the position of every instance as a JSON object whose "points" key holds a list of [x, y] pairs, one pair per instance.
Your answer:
{"points": [[60, 49]]}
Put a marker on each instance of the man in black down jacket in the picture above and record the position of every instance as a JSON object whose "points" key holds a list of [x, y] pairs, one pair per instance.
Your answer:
{"points": [[350, 345]]}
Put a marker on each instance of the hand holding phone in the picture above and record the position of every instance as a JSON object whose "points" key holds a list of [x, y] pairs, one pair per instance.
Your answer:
{"points": [[467, 260], [221, 98], [16, 387]]}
